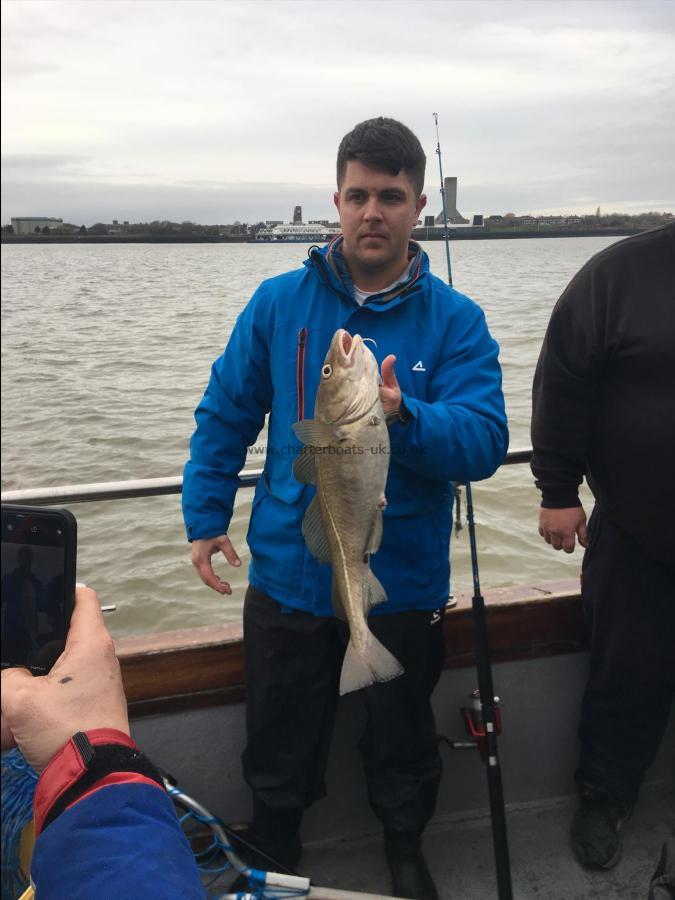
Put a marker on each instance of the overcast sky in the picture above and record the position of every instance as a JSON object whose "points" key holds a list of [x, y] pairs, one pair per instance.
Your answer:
{"points": [[233, 109]]}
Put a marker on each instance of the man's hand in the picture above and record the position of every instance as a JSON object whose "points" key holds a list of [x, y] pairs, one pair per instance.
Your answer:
{"points": [[559, 527], [82, 691], [390, 391], [203, 550]]}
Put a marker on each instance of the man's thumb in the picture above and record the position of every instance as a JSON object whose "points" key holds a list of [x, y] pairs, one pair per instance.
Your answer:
{"points": [[388, 375], [6, 736]]}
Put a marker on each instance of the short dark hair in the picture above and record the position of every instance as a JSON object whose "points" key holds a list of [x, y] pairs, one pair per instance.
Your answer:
{"points": [[383, 144]]}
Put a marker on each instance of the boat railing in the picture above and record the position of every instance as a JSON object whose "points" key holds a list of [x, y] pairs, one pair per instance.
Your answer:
{"points": [[150, 487]]}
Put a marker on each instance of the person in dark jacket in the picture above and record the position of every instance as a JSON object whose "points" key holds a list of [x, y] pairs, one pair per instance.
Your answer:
{"points": [[603, 400], [445, 410]]}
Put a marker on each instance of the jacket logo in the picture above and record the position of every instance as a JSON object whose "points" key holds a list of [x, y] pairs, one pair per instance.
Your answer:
{"points": [[418, 367]]}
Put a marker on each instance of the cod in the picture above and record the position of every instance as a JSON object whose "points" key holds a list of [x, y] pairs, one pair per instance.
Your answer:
{"points": [[346, 455]]}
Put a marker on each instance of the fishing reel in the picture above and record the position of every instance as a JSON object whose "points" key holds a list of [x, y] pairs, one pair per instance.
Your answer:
{"points": [[476, 727]]}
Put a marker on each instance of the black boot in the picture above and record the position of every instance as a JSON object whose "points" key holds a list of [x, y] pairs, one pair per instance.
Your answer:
{"points": [[596, 829], [410, 875]]}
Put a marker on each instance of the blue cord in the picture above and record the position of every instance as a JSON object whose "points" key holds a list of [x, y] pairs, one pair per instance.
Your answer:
{"points": [[256, 877]]}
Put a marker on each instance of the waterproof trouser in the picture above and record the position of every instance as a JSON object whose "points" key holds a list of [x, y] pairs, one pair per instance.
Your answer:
{"points": [[629, 604], [292, 664]]}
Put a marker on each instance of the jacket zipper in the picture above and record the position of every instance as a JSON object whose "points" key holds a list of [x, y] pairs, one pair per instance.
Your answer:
{"points": [[300, 373]]}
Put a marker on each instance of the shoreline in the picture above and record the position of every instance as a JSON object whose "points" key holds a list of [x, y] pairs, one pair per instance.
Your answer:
{"points": [[470, 235]]}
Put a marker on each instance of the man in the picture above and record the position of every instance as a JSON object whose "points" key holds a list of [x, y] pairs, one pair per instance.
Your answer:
{"points": [[104, 824], [603, 402], [445, 409]]}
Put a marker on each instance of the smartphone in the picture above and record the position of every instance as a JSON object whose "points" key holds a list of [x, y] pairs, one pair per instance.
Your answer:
{"points": [[39, 549]]}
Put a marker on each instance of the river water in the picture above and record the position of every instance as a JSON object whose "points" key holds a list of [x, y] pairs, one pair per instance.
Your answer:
{"points": [[106, 351]]}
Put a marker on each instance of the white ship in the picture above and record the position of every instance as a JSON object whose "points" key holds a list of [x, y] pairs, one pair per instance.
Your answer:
{"points": [[313, 233]]}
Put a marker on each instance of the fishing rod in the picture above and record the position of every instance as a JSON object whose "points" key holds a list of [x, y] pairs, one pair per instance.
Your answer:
{"points": [[445, 209], [488, 724]]}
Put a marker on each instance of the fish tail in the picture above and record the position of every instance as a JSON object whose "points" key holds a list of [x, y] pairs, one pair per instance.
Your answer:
{"points": [[360, 670]]}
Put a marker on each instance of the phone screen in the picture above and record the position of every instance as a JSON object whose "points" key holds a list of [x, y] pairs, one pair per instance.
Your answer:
{"points": [[37, 587]]}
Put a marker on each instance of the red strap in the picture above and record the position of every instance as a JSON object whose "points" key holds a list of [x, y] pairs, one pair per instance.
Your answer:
{"points": [[67, 767], [116, 778]]}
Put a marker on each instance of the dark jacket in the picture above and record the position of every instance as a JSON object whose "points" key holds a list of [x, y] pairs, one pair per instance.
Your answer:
{"points": [[604, 391]]}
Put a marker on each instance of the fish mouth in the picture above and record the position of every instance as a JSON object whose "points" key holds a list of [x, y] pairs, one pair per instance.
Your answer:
{"points": [[348, 345]]}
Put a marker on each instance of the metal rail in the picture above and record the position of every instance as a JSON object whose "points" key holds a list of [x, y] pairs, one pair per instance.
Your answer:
{"points": [[150, 487]]}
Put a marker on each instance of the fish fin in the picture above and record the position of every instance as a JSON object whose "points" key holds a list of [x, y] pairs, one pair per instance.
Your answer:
{"points": [[304, 467], [313, 432], [314, 532], [362, 670], [375, 536], [376, 593], [338, 605]]}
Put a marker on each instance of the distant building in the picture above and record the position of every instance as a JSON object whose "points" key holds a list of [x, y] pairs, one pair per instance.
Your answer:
{"points": [[429, 221], [509, 220], [478, 221], [28, 224], [454, 217], [297, 215]]}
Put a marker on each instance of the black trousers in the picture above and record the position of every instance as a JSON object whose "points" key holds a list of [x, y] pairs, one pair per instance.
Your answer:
{"points": [[629, 604], [292, 666]]}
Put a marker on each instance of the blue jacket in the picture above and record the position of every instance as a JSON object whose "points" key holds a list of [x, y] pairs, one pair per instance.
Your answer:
{"points": [[451, 383]]}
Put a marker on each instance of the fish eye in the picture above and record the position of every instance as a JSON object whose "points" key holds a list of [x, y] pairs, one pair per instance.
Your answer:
{"points": [[327, 371]]}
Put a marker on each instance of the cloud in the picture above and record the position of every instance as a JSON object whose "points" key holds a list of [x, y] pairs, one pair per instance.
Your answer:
{"points": [[18, 68], [32, 164], [219, 203], [153, 96], [90, 202]]}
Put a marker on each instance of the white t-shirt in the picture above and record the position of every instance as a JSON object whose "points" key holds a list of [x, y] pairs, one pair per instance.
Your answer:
{"points": [[361, 296]]}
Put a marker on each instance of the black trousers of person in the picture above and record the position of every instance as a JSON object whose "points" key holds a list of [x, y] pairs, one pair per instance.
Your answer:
{"points": [[292, 665], [629, 604]]}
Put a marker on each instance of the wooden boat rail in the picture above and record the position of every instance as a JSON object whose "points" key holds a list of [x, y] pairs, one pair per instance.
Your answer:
{"points": [[199, 667]]}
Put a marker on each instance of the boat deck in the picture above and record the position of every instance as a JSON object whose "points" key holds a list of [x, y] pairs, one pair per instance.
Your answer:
{"points": [[186, 692], [460, 855]]}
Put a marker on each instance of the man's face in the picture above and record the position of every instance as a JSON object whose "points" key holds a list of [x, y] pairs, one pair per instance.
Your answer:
{"points": [[377, 213]]}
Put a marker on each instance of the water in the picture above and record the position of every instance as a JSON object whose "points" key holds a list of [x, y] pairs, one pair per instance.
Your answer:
{"points": [[106, 351]]}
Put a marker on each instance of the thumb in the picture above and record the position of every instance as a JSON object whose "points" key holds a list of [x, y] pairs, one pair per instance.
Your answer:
{"points": [[388, 375], [228, 551], [582, 534], [13, 698], [7, 738], [11, 678]]}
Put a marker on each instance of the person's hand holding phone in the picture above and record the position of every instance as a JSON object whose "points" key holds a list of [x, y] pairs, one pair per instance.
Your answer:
{"points": [[82, 691]]}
